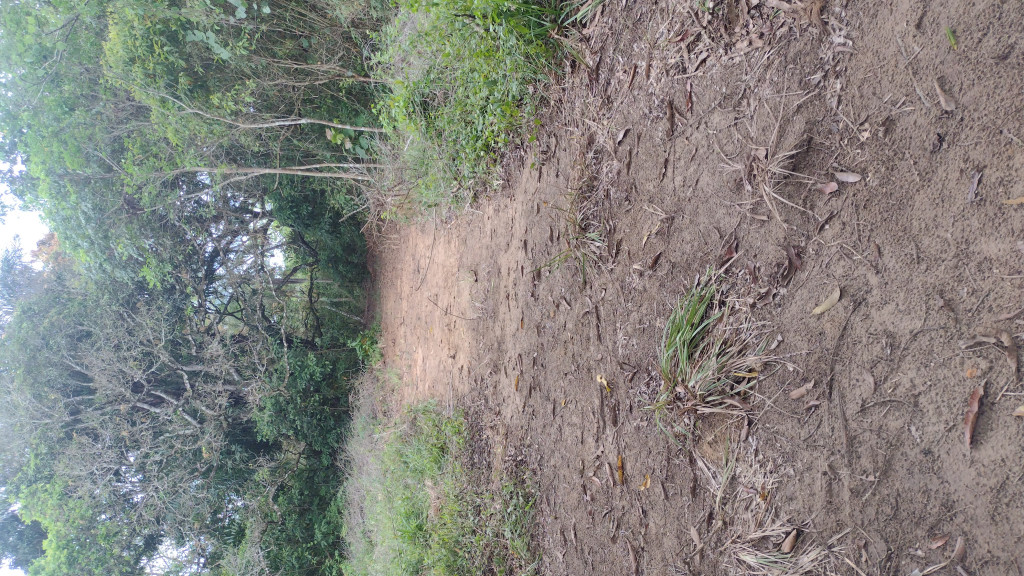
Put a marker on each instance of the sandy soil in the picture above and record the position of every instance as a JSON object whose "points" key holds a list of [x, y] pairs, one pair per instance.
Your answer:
{"points": [[691, 134]]}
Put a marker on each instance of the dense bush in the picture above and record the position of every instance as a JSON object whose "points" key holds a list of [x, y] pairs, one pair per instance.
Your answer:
{"points": [[306, 400], [464, 79], [414, 508]]}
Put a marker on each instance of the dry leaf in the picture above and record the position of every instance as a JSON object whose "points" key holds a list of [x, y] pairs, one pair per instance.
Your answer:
{"points": [[945, 101], [790, 542], [645, 484], [1015, 201], [622, 474], [731, 249], [654, 261], [938, 542], [976, 341], [827, 188], [971, 417], [1010, 350], [802, 391], [994, 336], [794, 258], [958, 551], [971, 372], [621, 136], [829, 302], [604, 382], [1019, 412], [812, 404], [848, 177], [972, 191]]}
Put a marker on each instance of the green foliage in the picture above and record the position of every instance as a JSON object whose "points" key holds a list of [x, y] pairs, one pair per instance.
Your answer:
{"points": [[318, 231], [415, 511], [305, 537], [21, 542], [367, 346], [306, 400], [464, 81]]}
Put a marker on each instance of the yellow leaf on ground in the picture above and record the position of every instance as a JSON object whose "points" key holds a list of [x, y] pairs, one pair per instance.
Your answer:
{"points": [[829, 302]]}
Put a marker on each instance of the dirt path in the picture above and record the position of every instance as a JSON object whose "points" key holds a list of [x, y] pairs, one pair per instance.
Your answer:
{"points": [[690, 131]]}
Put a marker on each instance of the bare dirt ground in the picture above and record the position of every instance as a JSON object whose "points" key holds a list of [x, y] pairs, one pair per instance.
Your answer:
{"points": [[693, 136]]}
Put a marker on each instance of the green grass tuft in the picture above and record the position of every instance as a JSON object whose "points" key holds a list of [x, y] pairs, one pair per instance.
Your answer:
{"points": [[464, 81], [413, 507], [710, 356]]}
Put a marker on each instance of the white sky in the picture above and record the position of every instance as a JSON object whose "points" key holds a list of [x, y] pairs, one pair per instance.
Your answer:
{"points": [[28, 226]]}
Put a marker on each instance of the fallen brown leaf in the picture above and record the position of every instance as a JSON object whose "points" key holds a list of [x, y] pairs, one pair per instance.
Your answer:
{"points": [[751, 270], [945, 101], [971, 417], [938, 541], [794, 257], [622, 135], [829, 302], [798, 393], [730, 250], [790, 542], [1019, 412], [827, 188], [622, 474], [645, 484], [654, 261], [996, 336], [971, 372], [1014, 201], [847, 177], [604, 382], [979, 340]]}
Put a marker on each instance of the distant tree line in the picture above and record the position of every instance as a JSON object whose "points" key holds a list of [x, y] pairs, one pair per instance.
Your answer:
{"points": [[174, 365]]}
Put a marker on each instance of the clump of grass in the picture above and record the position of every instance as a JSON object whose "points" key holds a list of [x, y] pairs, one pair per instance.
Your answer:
{"points": [[413, 507], [583, 235], [464, 80], [710, 353]]}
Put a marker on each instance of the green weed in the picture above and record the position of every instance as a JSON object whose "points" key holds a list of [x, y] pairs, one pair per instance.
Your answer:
{"points": [[464, 81], [367, 346], [951, 36], [412, 507], [709, 360]]}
